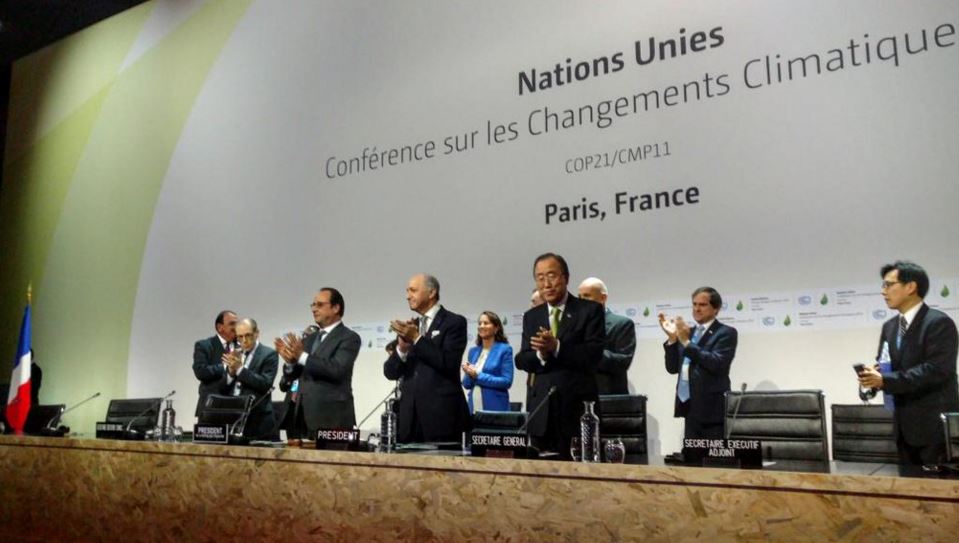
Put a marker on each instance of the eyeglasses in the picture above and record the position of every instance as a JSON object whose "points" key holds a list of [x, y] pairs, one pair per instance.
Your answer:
{"points": [[319, 304], [888, 284]]}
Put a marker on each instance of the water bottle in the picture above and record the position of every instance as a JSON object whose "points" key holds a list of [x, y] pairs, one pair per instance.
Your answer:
{"points": [[388, 429], [589, 433], [169, 423]]}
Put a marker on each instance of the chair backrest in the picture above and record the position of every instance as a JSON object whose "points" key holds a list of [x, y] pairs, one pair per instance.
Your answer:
{"points": [[498, 420], [624, 416], [863, 433], [143, 412], [220, 409], [41, 416], [950, 425], [790, 423]]}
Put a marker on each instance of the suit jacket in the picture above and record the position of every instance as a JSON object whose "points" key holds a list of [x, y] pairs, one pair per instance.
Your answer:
{"points": [[923, 376], [326, 380], [256, 379], [495, 379], [709, 362], [430, 392], [573, 372], [617, 356], [208, 368]]}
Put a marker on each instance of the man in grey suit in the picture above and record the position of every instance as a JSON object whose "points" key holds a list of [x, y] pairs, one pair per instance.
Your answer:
{"points": [[250, 370], [620, 341], [323, 362]]}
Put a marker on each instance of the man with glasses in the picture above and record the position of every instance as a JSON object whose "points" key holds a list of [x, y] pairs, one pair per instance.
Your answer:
{"points": [[916, 365], [250, 371], [323, 362], [562, 347]]}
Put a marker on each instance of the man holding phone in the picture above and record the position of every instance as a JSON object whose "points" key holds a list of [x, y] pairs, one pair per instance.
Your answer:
{"points": [[917, 365]]}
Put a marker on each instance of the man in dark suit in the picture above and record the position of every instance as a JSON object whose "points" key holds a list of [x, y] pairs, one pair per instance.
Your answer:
{"points": [[208, 364], [291, 411], [323, 362], [561, 348], [250, 371], [620, 341], [917, 365], [702, 357], [427, 360]]}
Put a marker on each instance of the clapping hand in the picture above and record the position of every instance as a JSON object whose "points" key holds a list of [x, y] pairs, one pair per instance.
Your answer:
{"points": [[544, 342]]}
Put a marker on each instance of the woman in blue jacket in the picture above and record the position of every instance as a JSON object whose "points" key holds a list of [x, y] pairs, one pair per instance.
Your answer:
{"points": [[490, 366]]}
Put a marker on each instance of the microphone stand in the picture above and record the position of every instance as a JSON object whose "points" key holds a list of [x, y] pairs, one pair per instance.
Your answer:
{"points": [[240, 424], [529, 418], [49, 430], [132, 434], [732, 421], [392, 394]]}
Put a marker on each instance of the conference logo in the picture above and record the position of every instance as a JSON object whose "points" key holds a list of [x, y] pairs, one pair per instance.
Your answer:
{"points": [[944, 292], [805, 300], [646, 312], [787, 321], [739, 306], [380, 329], [631, 312], [769, 321], [824, 300], [879, 314]]}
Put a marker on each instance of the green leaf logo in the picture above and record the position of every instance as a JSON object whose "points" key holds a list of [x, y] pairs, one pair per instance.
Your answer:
{"points": [[824, 300], [739, 306], [787, 321], [944, 292], [505, 321], [646, 312], [370, 344]]}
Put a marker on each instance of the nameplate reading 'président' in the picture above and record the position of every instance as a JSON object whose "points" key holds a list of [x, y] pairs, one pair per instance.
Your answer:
{"points": [[211, 433]]}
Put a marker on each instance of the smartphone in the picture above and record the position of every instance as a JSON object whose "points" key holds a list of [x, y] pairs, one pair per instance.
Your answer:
{"points": [[859, 368]]}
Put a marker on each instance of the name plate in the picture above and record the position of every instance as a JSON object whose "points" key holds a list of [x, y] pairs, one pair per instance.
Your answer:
{"points": [[211, 433], [110, 430], [505, 445], [338, 439], [742, 453]]}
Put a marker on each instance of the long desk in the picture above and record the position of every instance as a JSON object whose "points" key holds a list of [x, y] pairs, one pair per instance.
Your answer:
{"points": [[103, 490]]}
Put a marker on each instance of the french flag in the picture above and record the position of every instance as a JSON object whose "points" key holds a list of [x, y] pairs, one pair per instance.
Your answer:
{"points": [[18, 400]]}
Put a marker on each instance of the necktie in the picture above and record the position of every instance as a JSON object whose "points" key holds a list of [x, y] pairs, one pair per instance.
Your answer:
{"points": [[423, 326], [903, 325], [554, 321], [237, 385], [682, 391], [316, 342]]}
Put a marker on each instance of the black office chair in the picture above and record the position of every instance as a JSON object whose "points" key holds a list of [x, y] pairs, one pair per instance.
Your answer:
{"points": [[624, 416], [790, 423], [41, 417], [950, 425], [498, 421], [863, 433], [219, 409], [140, 414]]}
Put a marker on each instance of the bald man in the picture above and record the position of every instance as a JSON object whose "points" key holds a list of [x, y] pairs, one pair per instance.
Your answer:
{"points": [[620, 341]]}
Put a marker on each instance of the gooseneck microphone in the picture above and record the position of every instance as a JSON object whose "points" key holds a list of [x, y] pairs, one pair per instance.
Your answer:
{"points": [[525, 428], [128, 430], [392, 394], [236, 430], [732, 421], [48, 427]]}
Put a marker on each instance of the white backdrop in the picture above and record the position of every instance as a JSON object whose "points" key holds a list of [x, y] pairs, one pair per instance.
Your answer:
{"points": [[805, 186]]}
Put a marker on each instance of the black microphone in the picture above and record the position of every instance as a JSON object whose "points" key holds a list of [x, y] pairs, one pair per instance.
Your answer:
{"points": [[742, 390], [134, 433], [375, 409], [525, 428], [241, 422], [311, 329], [49, 430]]}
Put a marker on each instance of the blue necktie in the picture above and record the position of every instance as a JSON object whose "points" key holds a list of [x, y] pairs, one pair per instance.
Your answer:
{"points": [[682, 391]]}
